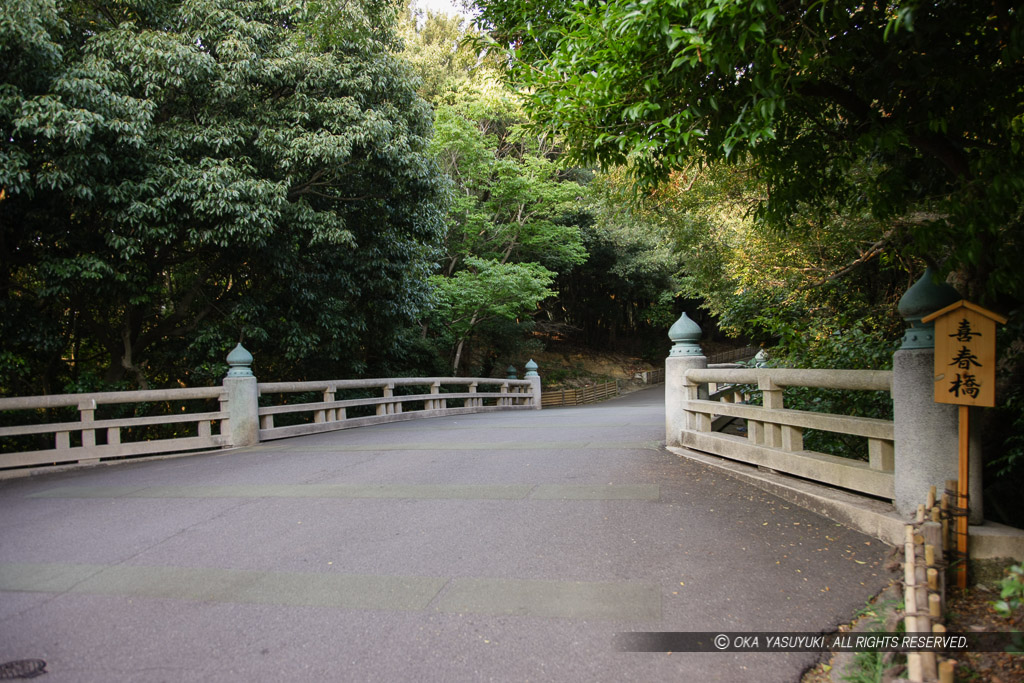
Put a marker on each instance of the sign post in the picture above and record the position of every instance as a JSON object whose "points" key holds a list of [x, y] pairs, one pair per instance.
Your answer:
{"points": [[965, 375]]}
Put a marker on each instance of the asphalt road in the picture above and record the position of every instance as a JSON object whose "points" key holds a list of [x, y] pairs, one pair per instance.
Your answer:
{"points": [[501, 546]]}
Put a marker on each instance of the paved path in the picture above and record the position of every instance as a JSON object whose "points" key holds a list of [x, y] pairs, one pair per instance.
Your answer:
{"points": [[506, 547]]}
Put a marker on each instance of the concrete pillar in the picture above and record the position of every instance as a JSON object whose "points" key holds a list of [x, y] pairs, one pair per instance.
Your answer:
{"points": [[925, 432], [531, 374], [685, 354], [242, 398]]}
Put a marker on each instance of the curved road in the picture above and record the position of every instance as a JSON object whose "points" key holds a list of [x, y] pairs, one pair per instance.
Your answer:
{"points": [[500, 546]]}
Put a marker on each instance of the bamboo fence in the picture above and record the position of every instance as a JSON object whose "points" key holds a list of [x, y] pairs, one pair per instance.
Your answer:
{"points": [[929, 550], [576, 397]]}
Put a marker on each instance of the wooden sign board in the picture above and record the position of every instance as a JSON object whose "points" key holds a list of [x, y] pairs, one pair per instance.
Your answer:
{"points": [[965, 354]]}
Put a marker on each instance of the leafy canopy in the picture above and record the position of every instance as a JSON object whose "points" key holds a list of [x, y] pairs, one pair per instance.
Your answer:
{"points": [[924, 96], [177, 173]]}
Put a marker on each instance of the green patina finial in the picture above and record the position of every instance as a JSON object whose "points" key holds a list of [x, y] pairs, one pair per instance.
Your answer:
{"points": [[531, 369], [926, 296], [685, 335], [240, 361], [511, 372]]}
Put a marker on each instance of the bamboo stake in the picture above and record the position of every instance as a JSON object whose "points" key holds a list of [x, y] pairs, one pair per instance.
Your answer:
{"points": [[946, 669], [932, 532], [931, 498], [914, 667], [910, 582], [929, 666]]}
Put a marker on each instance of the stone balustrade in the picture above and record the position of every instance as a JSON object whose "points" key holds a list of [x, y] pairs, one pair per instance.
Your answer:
{"points": [[915, 450], [426, 400], [90, 438], [774, 433], [88, 428]]}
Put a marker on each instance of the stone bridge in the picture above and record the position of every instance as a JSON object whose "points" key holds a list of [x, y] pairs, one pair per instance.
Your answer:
{"points": [[488, 546], [495, 541]]}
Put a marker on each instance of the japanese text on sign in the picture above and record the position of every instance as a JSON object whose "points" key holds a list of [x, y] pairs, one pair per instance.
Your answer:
{"points": [[965, 354]]}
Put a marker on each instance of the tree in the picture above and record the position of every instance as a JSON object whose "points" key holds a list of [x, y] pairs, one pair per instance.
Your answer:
{"points": [[510, 196], [625, 294], [486, 291], [829, 274], [510, 210], [922, 97], [177, 173], [440, 49], [508, 228]]}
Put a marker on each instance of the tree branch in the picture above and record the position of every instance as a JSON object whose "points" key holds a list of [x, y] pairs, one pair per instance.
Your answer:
{"points": [[951, 156]]}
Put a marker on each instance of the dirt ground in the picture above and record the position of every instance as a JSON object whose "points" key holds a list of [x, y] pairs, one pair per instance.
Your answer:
{"points": [[573, 368], [971, 610], [966, 611]]}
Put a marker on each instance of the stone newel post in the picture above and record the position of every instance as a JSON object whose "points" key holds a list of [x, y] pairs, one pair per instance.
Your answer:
{"points": [[242, 398], [925, 431], [531, 374], [685, 354]]}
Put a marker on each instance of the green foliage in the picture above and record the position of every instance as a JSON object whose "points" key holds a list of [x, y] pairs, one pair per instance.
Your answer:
{"points": [[177, 173], [1006, 422], [831, 275], [874, 109], [352, 26], [623, 295], [487, 289], [1011, 594], [1011, 454], [510, 227], [510, 198], [441, 50], [870, 666]]}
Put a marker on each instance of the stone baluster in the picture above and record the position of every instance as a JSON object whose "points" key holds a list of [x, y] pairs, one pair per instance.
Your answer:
{"points": [[242, 398], [925, 432], [685, 355]]}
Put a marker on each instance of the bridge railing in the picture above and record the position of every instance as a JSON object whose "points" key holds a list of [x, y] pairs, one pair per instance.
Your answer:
{"points": [[47, 436], [924, 446], [774, 433], [434, 398], [87, 428]]}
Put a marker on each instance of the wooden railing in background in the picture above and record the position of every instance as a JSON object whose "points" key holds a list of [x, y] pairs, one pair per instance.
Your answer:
{"points": [[576, 397], [553, 398], [654, 376], [733, 356]]}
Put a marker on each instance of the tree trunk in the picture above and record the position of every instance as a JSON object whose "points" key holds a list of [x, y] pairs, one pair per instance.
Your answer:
{"points": [[462, 343], [125, 364]]}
